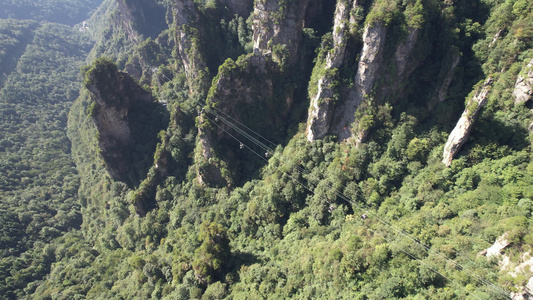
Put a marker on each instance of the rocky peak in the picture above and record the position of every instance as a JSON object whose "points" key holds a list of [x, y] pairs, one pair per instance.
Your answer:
{"points": [[327, 117], [321, 108], [114, 93], [371, 59], [250, 91], [277, 27], [461, 132], [186, 19]]}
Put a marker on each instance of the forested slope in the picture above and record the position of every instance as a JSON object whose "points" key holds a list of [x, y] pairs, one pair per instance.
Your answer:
{"points": [[63, 12], [278, 149], [38, 183], [40, 65]]}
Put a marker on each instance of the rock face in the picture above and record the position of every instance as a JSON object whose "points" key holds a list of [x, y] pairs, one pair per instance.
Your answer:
{"points": [[321, 108], [367, 72], [497, 248], [524, 268], [326, 117], [209, 169], [127, 21], [114, 94], [245, 92], [447, 70], [186, 21], [524, 84], [404, 55], [248, 85], [464, 126], [278, 27]]}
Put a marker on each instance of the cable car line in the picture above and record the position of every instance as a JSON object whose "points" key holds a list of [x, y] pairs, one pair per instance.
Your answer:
{"points": [[301, 170], [384, 222], [377, 217], [389, 241], [241, 143]]}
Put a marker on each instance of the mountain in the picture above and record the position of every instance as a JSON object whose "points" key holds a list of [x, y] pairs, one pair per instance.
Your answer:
{"points": [[373, 149]]}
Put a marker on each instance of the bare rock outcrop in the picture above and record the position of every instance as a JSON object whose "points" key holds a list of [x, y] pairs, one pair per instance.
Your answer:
{"points": [[408, 55], [277, 27], [524, 84], [327, 117], [371, 60], [114, 94], [321, 108], [461, 132], [496, 248], [404, 53], [523, 267], [186, 21]]}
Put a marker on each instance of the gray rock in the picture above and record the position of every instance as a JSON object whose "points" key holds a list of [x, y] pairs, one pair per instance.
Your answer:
{"points": [[461, 132], [321, 108], [367, 72], [279, 25], [114, 93], [524, 84]]}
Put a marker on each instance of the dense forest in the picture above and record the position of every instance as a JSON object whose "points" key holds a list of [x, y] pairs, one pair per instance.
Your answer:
{"points": [[63, 12], [38, 182], [239, 149]]}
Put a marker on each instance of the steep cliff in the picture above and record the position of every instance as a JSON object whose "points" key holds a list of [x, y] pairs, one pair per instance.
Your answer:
{"points": [[209, 170], [464, 126], [523, 89], [368, 68], [322, 102], [115, 95], [254, 83], [186, 17], [386, 61], [277, 27], [247, 92]]}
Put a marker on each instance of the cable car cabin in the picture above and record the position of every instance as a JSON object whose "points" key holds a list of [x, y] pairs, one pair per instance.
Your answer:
{"points": [[364, 217]]}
